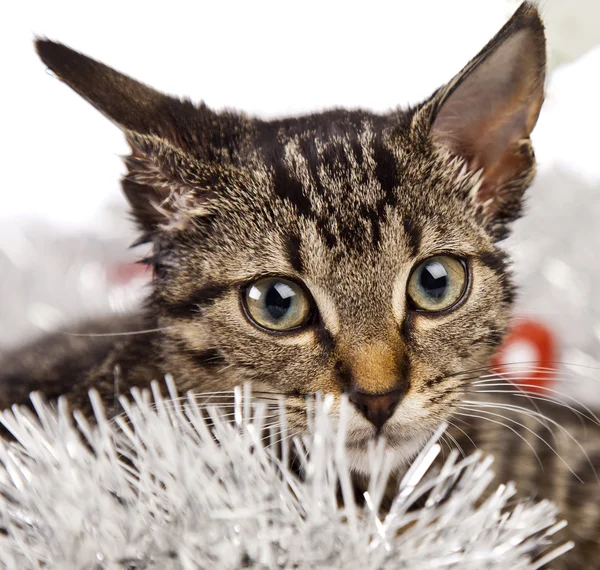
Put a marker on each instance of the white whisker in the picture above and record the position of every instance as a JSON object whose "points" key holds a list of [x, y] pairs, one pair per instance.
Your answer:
{"points": [[456, 445], [463, 432], [471, 415], [559, 400], [477, 407], [542, 419], [127, 333]]}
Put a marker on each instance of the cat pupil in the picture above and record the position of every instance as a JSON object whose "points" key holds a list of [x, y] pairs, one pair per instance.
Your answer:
{"points": [[434, 280], [278, 300]]}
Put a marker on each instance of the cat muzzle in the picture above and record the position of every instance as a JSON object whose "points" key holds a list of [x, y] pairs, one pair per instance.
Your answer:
{"points": [[377, 408]]}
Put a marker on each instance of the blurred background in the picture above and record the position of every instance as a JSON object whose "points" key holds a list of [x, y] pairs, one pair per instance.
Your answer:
{"points": [[64, 230]]}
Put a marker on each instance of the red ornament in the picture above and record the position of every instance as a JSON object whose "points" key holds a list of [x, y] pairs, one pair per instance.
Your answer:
{"points": [[528, 355]]}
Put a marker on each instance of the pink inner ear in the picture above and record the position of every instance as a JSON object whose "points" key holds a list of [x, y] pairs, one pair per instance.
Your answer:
{"points": [[493, 105]]}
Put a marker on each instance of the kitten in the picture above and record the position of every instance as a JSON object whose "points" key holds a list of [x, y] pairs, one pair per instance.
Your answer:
{"points": [[341, 252]]}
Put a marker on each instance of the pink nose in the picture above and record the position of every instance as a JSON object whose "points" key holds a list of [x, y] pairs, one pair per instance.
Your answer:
{"points": [[377, 408]]}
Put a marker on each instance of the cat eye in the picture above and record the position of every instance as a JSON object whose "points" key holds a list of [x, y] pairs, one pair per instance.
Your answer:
{"points": [[277, 304], [437, 283]]}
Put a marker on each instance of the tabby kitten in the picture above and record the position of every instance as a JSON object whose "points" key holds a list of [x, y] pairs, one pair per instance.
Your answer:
{"points": [[342, 252]]}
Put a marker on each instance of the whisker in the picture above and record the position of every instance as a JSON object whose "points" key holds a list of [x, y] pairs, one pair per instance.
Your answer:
{"points": [[545, 418], [477, 408], [532, 396], [535, 395], [445, 443], [558, 401], [230, 393], [524, 394], [499, 368], [452, 424], [559, 374], [127, 333], [456, 445], [471, 415], [540, 417], [274, 442], [233, 414], [226, 367]]}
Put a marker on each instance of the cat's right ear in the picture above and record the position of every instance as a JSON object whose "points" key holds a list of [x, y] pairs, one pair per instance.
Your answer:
{"points": [[168, 136]]}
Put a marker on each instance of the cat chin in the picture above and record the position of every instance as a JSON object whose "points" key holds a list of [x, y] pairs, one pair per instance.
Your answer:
{"points": [[399, 453], [404, 435]]}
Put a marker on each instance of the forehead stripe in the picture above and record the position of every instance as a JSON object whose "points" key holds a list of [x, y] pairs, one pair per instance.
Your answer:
{"points": [[413, 234], [386, 171], [292, 251], [290, 189]]}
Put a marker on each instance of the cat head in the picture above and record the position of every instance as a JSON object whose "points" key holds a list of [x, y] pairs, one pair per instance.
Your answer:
{"points": [[340, 252]]}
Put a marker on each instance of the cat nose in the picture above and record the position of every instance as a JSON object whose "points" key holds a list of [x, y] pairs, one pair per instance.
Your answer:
{"points": [[377, 408]]}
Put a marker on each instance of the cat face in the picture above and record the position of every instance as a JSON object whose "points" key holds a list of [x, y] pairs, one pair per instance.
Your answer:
{"points": [[342, 252], [368, 219]]}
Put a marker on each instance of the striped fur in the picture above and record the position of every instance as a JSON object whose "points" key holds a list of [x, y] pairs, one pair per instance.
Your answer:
{"points": [[347, 203]]}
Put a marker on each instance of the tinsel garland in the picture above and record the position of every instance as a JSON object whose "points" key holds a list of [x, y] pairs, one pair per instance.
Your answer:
{"points": [[174, 484]]}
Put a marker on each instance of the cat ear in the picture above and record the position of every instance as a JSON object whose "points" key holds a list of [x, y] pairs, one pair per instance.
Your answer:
{"points": [[487, 112], [169, 137]]}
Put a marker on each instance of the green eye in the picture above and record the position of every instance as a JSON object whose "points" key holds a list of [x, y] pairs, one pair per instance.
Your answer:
{"points": [[437, 283], [277, 304]]}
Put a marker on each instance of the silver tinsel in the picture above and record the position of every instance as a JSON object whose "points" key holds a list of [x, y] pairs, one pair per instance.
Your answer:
{"points": [[162, 487]]}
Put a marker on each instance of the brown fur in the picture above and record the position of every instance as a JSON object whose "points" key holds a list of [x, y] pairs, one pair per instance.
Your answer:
{"points": [[347, 203]]}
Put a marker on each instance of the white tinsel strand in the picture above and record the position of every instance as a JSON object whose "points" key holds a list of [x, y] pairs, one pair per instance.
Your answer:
{"points": [[162, 487]]}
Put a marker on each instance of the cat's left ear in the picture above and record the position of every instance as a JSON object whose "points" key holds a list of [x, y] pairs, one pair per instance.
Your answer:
{"points": [[487, 112], [174, 143]]}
